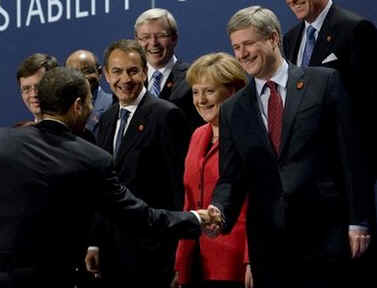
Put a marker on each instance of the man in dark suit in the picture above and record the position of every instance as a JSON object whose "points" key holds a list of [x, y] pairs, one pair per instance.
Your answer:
{"points": [[86, 62], [52, 183], [157, 32], [346, 42], [149, 160], [285, 140]]}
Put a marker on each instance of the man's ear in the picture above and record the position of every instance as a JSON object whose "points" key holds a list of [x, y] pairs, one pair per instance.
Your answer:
{"points": [[275, 38], [77, 106]]}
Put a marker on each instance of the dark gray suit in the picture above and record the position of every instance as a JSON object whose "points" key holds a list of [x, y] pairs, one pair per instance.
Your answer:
{"points": [[52, 183], [150, 162], [301, 202]]}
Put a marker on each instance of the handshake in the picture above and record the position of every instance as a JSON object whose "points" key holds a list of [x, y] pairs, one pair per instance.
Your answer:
{"points": [[212, 220]]}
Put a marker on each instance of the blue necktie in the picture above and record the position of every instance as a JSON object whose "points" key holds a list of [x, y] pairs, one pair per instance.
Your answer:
{"points": [[156, 78], [309, 45], [123, 116]]}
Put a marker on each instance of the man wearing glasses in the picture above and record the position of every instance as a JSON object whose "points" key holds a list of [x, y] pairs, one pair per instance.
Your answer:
{"points": [[156, 31], [29, 73]]}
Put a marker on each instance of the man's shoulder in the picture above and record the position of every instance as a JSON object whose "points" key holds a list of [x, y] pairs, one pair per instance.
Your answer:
{"points": [[293, 31], [345, 15], [158, 104], [316, 70], [109, 112], [181, 66]]}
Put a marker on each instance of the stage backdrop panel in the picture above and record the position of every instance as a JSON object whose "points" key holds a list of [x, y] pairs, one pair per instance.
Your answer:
{"points": [[58, 27]]}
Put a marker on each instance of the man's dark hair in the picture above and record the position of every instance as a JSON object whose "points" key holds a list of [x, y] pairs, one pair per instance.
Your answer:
{"points": [[127, 46], [59, 88], [33, 63]]}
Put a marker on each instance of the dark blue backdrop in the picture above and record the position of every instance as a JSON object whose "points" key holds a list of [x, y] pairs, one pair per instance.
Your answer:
{"points": [[58, 27]]}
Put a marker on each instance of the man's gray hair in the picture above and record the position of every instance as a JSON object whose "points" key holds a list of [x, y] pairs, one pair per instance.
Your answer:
{"points": [[156, 14], [262, 19]]}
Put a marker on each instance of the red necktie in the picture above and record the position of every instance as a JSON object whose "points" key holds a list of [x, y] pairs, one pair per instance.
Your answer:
{"points": [[275, 115]]}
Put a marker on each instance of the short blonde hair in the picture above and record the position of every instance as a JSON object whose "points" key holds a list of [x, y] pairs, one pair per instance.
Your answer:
{"points": [[220, 67]]}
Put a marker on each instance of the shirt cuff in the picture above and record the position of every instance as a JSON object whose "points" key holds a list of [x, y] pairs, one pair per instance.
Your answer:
{"points": [[358, 228], [197, 216], [93, 248]]}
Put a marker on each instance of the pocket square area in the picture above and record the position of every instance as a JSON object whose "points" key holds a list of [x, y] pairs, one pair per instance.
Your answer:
{"points": [[331, 57]]}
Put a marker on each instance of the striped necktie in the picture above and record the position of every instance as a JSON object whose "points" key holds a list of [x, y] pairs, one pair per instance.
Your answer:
{"points": [[156, 78], [309, 46]]}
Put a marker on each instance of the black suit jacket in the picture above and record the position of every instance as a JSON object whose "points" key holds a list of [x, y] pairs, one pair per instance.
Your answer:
{"points": [[150, 162], [353, 40], [52, 183], [302, 201], [178, 91]]}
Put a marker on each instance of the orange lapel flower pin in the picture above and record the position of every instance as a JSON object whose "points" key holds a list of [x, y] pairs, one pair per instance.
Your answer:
{"points": [[300, 84]]}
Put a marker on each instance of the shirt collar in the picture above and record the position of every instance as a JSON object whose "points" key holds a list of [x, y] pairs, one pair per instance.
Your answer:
{"points": [[318, 22], [133, 105], [164, 70], [280, 77], [54, 120]]}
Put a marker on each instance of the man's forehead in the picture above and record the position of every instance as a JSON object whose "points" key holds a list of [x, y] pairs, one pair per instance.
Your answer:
{"points": [[36, 77]]}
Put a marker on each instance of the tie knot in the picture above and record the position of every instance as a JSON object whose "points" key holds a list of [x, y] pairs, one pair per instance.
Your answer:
{"points": [[271, 85], [123, 114], [157, 75], [310, 32]]}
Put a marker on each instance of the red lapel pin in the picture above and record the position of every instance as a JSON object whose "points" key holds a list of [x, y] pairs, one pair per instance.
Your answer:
{"points": [[328, 38], [169, 84], [140, 128], [299, 84]]}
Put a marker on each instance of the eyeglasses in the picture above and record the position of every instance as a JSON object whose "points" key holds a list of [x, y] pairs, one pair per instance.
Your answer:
{"points": [[158, 36], [29, 88]]}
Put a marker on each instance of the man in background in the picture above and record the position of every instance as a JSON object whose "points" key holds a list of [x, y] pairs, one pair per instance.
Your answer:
{"points": [[29, 73], [156, 31], [86, 62], [331, 36]]}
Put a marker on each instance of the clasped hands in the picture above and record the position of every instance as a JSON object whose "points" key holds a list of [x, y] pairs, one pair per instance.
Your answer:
{"points": [[212, 221]]}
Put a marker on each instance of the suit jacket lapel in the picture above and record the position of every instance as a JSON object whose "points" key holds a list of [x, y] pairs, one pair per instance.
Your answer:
{"points": [[296, 39], [295, 92], [176, 75], [109, 130], [136, 127], [247, 117]]}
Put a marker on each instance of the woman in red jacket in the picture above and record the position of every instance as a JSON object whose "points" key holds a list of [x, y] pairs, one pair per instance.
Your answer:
{"points": [[222, 261]]}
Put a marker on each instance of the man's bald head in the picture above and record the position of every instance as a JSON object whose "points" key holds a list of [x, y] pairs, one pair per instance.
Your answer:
{"points": [[86, 62]]}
